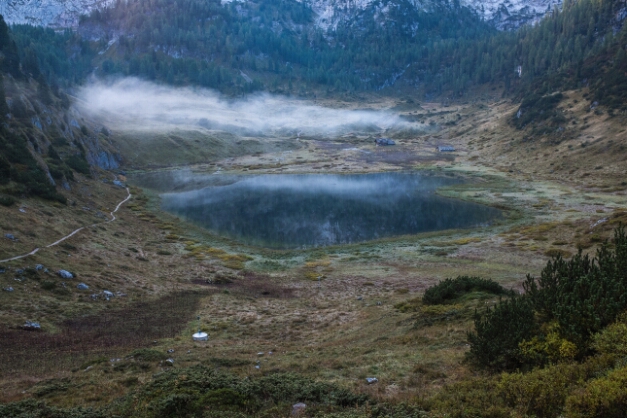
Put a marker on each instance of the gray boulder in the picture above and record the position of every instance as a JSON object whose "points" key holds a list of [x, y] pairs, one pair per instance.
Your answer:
{"points": [[10, 236], [39, 267], [298, 408], [371, 380], [82, 286], [8, 289], [107, 295], [384, 142], [31, 326], [65, 274]]}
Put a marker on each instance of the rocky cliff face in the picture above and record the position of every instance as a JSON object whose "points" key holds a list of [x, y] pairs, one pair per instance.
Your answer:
{"points": [[47, 124], [503, 14], [511, 14], [51, 13]]}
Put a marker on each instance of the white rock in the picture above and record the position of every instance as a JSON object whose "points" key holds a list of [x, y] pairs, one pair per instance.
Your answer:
{"points": [[200, 336]]}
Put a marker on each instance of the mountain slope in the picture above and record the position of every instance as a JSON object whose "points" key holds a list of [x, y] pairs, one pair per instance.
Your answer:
{"points": [[503, 14], [428, 48], [42, 144], [51, 13]]}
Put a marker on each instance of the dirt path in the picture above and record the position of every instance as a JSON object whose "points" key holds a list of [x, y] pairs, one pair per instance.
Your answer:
{"points": [[113, 218]]}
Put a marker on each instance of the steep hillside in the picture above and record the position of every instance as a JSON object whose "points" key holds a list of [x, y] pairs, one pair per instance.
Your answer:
{"points": [[242, 47], [44, 141]]}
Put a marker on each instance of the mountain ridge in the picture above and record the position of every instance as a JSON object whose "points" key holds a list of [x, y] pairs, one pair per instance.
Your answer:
{"points": [[502, 14]]}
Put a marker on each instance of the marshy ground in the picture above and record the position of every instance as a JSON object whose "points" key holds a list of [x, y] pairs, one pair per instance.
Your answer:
{"points": [[337, 314]]}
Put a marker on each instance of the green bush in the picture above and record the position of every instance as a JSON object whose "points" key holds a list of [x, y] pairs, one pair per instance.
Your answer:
{"points": [[613, 339], [20, 170], [79, 164], [226, 398], [202, 385], [451, 289], [605, 397], [175, 405], [48, 285], [540, 393], [477, 397], [499, 332], [33, 409], [7, 200], [535, 109], [583, 294], [581, 297]]}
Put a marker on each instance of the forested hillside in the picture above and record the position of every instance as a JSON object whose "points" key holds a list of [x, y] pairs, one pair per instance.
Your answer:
{"points": [[243, 47], [42, 145]]}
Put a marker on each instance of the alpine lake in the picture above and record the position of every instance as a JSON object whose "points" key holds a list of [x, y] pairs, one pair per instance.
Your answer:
{"points": [[280, 211]]}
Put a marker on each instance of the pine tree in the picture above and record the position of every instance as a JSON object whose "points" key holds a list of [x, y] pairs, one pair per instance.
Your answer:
{"points": [[4, 107], [11, 61]]}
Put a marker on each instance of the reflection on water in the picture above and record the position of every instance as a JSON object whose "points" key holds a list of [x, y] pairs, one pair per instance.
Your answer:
{"points": [[292, 211]]}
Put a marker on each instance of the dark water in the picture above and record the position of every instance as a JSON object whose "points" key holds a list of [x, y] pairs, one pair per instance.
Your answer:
{"points": [[293, 211]]}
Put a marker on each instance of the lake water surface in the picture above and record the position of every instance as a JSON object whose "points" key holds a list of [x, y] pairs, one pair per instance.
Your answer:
{"points": [[298, 211]]}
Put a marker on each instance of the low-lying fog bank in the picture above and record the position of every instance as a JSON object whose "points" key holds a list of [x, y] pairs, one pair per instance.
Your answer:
{"points": [[133, 104]]}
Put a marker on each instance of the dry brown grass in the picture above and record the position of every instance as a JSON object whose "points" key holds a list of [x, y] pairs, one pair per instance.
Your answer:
{"points": [[77, 340]]}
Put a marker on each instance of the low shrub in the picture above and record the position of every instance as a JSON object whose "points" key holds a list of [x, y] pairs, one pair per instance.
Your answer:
{"points": [[228, 362], [604, 397], [451, 289], [147, 354], [48, 285], [7, 200], [542, 392], [548, 347], [613, 339], [34, 409], [535, 109], [182, 392]]}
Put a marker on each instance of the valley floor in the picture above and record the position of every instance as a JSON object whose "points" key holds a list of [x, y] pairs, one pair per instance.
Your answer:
{"points": [[266, 311]]}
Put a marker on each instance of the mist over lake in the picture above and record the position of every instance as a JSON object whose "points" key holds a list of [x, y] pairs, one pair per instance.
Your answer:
{"points": [[299, 211]]}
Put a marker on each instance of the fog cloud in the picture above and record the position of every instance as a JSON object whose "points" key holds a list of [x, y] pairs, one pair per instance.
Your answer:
{"points": [[139, 105], [383, 188]]}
